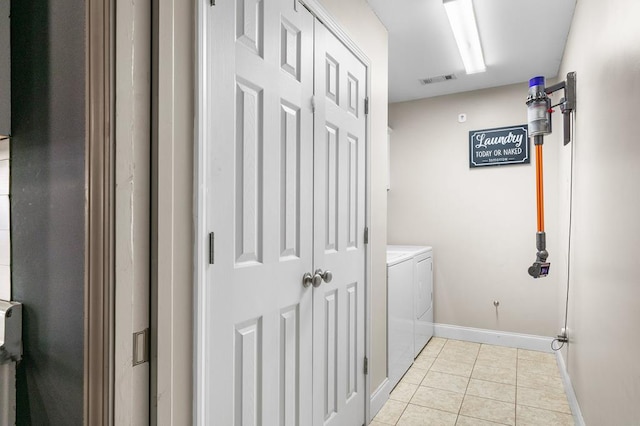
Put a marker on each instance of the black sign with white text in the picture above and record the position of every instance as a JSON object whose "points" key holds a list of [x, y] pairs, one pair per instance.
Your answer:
{"points": [[500, 146]]}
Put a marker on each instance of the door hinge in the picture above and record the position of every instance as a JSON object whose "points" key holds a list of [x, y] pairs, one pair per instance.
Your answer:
{"points": [[140, 347], [366, 235], [313, 104], [212, 2], [211, 248], [366, 365], [366, 105]]}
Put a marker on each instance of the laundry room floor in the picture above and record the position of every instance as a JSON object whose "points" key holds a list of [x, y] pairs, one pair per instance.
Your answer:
{"points": [[453, 382]]}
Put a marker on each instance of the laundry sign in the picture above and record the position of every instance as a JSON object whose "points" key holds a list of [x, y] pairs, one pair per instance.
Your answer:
{"points": [[499, 146]]}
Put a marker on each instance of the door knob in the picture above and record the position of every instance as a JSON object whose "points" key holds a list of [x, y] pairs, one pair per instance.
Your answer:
{"points": [[317, 280], [307, 280], [327, 276], [320, 276]]}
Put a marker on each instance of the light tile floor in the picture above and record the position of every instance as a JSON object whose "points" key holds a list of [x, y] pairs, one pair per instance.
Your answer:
{"points": [[453, 382]]}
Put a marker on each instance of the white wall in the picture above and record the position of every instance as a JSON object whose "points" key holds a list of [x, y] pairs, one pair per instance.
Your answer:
{"points": [[365, 29], [604, 310], [481, 222]]}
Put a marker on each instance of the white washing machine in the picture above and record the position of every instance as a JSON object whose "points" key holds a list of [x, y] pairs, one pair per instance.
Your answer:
{"points": [[400, 315], [422, 287]]}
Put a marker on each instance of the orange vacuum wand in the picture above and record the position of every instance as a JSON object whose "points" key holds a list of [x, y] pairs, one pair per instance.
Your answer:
{"points": [[540, 267], [539, 188]]}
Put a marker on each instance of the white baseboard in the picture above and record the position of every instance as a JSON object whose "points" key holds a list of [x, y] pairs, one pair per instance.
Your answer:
{"points": [[379, 397], [492, 337], [568, 389]]}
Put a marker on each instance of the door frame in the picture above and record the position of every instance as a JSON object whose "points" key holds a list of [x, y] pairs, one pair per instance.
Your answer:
{"points": [[201, 239], [108, 343], [132, 209], [99, 254]]}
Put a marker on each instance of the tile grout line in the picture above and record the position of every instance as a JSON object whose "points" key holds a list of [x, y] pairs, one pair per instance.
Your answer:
{"points": [[547, 409], [434, 361], [484, 420], [468, 383], [484, 397], [516, 388], [403, 410], [420, 384]]}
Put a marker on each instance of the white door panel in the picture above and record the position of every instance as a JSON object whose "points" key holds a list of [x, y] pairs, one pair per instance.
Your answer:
{"points": [[260, 207], [339, 189], [285, 196]]}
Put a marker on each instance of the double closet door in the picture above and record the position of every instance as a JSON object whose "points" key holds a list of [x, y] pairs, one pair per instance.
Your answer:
{"points": [[285, 200]]}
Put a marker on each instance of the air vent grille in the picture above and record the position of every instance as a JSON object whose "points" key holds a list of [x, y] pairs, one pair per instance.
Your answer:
{"points": [[438, 79]]}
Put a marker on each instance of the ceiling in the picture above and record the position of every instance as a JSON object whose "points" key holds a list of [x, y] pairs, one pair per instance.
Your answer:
{"points": [[520, 39]]}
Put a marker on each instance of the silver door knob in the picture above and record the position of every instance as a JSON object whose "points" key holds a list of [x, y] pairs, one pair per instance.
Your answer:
{"points": [[319, 276], [307, 280], [317, 280]]}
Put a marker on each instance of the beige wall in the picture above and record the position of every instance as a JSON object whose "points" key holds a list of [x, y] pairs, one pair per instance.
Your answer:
{"points": [[172, 263], [481, 222], [604, 310], [365, 29]]}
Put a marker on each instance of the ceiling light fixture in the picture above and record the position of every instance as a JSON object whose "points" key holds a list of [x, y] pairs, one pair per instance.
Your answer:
{"points": [[465, 30]]}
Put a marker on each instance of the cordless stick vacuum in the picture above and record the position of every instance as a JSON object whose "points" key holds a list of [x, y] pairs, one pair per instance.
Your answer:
{"points": [[539, 111]]}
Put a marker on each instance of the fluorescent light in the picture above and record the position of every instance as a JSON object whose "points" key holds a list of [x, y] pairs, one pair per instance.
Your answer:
{"points": [[465, 30]]}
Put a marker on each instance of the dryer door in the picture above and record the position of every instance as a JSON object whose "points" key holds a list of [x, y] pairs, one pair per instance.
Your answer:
{"points": [[422, 301], [423, 285]]}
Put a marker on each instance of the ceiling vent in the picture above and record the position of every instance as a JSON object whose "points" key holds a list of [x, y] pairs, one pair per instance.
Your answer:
{"points": [[437, 79]]}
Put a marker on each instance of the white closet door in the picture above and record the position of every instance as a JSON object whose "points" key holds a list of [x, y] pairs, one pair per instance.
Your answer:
{"points": [[339, 215], [258, 348]]}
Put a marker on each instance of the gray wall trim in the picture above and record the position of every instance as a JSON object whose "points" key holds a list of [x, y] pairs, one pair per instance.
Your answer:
{"points": [[99, 254]]}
